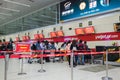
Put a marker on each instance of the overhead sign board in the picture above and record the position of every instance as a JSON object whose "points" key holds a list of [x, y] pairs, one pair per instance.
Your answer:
{"points": [[74, 9]]}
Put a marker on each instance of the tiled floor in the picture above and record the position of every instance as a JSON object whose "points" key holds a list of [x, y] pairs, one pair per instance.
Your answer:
{"points": [[54, 71]]}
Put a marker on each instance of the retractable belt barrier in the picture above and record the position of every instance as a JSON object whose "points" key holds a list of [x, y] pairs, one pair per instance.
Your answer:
{"points": [[61, 53]]}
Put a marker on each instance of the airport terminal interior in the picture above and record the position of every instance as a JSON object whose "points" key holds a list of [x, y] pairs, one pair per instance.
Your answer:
{"points": [[59, 39]]}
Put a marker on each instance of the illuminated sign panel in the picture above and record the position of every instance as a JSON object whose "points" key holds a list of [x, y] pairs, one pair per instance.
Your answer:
{"points": [[22, 47], [73, 9], [79, 31], [36, 36], [53, 34], [60, 33], [89, 30], [41, 36]]}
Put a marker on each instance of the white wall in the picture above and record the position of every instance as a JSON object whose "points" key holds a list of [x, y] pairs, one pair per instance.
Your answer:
{"points": [[101, 23]]}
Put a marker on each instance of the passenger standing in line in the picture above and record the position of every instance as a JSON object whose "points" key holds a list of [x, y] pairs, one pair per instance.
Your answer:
{"points": [[68, 44], [81, 48], [74, 47], [47, 50], [10, 47], [62, 50], [38, 47], [53, 48], [88, 56]]}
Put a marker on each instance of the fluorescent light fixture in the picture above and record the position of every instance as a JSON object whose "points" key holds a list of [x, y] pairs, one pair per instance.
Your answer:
{"points": [[10, 9], [5, 14], [22, 4]]}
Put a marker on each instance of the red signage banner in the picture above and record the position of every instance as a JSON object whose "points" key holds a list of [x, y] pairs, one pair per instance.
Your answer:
{"points": [[23, 47], [89, 37]]}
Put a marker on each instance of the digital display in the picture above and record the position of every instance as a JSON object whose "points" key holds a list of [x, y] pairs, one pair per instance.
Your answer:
{"points": [[17, 38], [79, 31], [53, 34], [89, 30], [36, 36], [60, 33], [27, 37], [74, 9], [41, 36], [24, 38]]}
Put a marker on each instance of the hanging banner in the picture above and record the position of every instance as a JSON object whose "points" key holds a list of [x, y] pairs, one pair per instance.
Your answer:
{"points": [[74, 9]]}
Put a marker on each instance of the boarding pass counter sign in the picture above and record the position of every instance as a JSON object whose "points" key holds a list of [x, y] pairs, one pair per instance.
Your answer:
{"points": [[23, 48]]}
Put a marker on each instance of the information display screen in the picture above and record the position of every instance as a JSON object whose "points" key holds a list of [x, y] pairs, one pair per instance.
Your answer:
{"points": [[60, 33], [79, 31], [53, 34], [74, 9], [89, 30]]}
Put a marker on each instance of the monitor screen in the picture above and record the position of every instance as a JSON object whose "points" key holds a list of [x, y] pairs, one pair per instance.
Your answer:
{"points": [[36, 36], [60, 33], [41, 36], [100, 48], [24, 38], [53, 34], [79, 31], [17, 38], [89, 30]]}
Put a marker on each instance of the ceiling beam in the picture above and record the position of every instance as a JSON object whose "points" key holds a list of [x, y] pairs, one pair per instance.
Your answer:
{"points": [[5, 14], [22, 4], [10, 9]]}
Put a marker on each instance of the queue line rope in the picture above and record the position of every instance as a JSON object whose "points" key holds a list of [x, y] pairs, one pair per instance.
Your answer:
{"points": [[61, 53]]}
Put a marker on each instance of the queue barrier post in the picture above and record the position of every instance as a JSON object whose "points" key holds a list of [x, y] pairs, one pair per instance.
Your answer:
{"points": [[6, 65], [42, 70], [106, 77], [21, 68], [71, 64]]}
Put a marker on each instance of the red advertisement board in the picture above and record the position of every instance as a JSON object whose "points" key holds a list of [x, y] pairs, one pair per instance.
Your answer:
{"points": [[23, 47]]}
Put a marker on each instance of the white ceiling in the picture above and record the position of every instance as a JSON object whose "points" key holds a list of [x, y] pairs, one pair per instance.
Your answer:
{"points": [[10, 15], [27, 14]]}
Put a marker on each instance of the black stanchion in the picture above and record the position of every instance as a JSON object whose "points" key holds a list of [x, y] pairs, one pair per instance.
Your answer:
{"points": [[21, 69], [6, 65], [106, 77], [42, 70]]}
